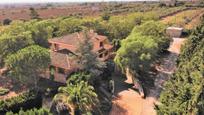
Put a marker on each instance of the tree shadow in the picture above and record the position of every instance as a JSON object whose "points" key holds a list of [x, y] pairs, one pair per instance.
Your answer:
{"points": [[164, 68], [120, 84], [118, 109], [153, 80], [12, 85]]}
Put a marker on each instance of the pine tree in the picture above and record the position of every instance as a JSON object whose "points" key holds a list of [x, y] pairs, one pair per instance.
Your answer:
{"points": [[87, 58], [34, 14]]}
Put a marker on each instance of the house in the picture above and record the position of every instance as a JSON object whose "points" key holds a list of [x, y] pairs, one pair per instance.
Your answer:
{"points": [[174, 32], [63, 53]]}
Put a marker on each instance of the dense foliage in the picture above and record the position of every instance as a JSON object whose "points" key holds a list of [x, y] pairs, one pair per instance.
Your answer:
{"points": [[11, 43], [88, 60], [157, 30], [27, 64], [34, 111], [79, 97], [25, 100], [140, 48], [20, 34], [77, 77], [183, 93], [136, 52]]}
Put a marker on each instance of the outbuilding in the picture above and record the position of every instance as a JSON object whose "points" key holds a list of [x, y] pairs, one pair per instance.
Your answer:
{"points": [[174, 32]]}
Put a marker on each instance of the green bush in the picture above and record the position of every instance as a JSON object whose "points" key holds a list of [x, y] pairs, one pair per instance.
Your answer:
{"points": [[34, 111], [3, 91], [21, 101]]}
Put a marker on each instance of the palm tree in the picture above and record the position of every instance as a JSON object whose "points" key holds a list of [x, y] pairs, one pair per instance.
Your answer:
{"points": [[78, 97]]}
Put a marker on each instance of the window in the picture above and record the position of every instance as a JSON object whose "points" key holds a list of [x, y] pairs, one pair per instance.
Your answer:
{"points": [[55, 46], [101, 55], [61, 70], [101, 44]]}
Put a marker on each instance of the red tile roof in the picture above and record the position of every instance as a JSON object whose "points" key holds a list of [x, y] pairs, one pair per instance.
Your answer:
{"points": [[71, 41], [68, 45], [62, 60]]}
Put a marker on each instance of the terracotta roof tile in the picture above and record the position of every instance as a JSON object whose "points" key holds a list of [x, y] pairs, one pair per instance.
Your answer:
{"points": [[72, 40]]}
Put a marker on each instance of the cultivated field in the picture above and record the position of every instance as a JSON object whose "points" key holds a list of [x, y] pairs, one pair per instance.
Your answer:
{"points": [[46, 11], [23, 13], [182, 19]]}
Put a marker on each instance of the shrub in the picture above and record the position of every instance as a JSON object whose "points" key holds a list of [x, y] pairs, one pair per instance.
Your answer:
{"points": [[34, 111], [106, 16], [3, 91], [27, 100], [7, 21]]}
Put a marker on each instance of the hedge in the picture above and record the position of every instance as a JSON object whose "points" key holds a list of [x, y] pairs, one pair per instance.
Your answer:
{"points": [[27, 100], [34, 111]]}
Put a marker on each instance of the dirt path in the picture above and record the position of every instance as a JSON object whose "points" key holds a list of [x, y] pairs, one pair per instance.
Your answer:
{"points": [[129, 102]]}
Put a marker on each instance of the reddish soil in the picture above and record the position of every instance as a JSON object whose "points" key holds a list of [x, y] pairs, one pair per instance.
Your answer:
{"points": [[176, 45], [23, 13], [129, 101]]}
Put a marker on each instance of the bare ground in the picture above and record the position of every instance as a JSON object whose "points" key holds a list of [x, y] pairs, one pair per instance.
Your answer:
{"points": [[14, 88], [129, 102]]}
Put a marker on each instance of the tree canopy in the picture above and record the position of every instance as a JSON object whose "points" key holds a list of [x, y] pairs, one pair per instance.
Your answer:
{"points": [[11, 43], [88, 60], [157, 30], [28, 63], [136, 52], [140, 48], [79, 97]]}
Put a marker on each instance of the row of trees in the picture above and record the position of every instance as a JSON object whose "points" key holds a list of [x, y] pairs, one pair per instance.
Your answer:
{"points": [[183, 93], [117, 27]]}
